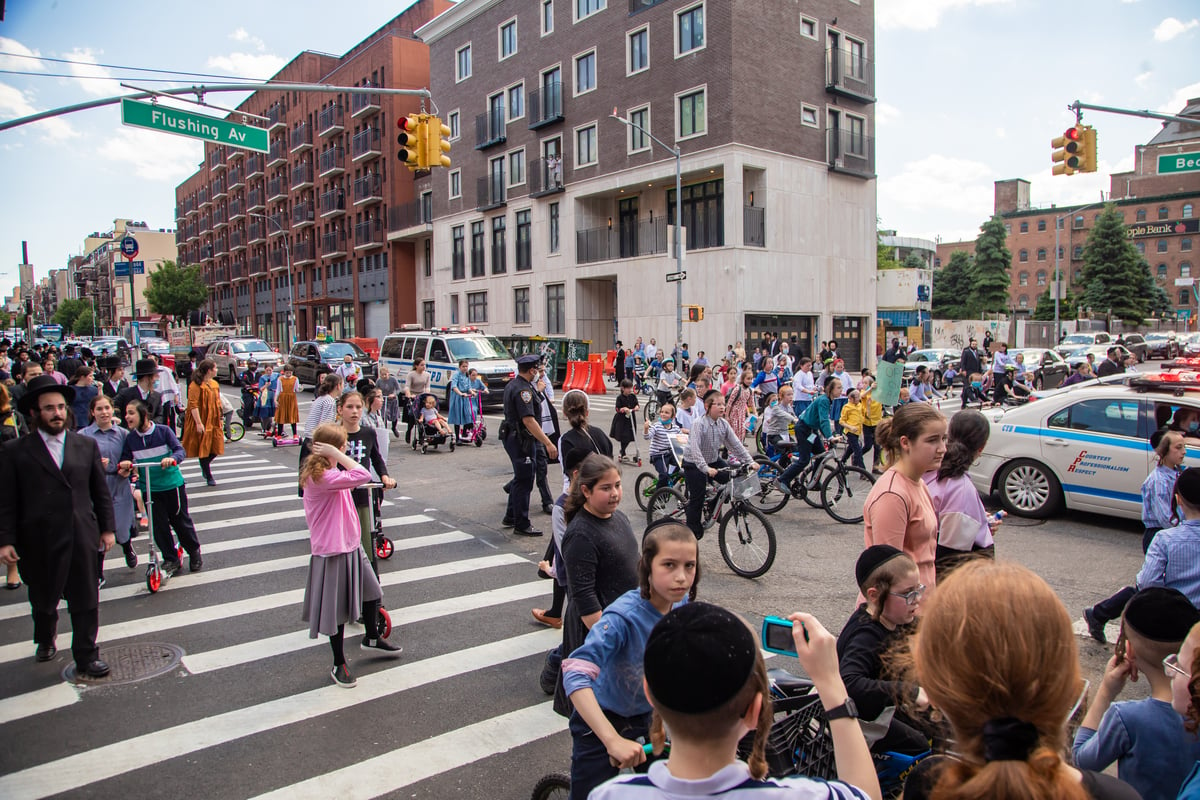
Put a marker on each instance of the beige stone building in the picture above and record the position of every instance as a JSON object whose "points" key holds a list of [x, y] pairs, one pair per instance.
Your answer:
{"points": [[111, 292]]}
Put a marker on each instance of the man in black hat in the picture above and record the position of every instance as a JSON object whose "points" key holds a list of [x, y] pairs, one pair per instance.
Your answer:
{"points": [[70, 362], [145, 371], [114, 380], [55, 516], [520, 432]]}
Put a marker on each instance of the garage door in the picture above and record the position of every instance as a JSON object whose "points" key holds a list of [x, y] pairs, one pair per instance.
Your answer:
{"points": [[376, 320], [848, 333]]}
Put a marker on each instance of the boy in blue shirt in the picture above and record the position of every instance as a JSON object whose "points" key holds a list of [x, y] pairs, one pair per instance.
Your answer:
{"points": [[1145, 737]]}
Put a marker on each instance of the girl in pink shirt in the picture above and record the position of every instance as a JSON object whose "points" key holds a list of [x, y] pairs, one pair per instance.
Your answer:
{"points": [[340, 578]]}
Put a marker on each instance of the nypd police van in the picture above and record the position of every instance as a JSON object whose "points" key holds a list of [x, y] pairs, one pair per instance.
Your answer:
{"points": [[442, 349]]}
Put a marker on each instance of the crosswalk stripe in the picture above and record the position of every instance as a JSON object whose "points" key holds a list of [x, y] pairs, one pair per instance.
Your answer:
{"points": [[292, 484], [220, 472], [217, 524], [197, 484], [192, 466], [251, 652], [72, 772], [197, 616], [287, 497], [405, 766], [40, 701]]}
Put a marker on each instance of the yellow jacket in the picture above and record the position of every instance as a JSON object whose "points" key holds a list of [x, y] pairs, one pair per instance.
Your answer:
{"points": [[852, 418], [873, 410]]}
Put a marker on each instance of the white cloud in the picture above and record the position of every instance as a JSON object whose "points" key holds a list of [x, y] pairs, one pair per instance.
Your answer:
{"points": [[15, 103], [240, 35], [1143, 79], [1178, 100], [1171, 27], [886, 113], [248, 65], [14, 62], [1001, 133], [88, 71], [154, 156], [937, 186], [921, 15]]}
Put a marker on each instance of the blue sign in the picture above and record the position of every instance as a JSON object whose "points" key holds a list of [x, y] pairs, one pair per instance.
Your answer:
{"points": [[121, 268], [1184, 313], [129, 247]]}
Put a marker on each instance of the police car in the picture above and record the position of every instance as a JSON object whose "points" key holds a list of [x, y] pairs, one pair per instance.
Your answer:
{"points": [[442, 349], [1085, 449]]}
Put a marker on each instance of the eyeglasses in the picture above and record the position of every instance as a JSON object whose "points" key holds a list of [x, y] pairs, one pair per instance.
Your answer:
{"points": [[911, 598], [1171, 664]]}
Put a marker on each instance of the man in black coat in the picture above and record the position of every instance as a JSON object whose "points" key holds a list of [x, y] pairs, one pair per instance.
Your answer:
{"points": [[145, 371], [1111, 365], [56, 522]]}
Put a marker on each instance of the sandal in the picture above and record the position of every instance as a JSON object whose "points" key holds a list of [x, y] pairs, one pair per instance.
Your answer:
{"points": [[11, 586]]}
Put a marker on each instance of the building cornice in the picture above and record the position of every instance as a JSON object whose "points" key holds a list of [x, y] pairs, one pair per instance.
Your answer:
{"points": [[448, 20]]}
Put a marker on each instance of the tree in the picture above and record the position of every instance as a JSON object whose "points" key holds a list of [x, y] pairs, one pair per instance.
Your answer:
{"points": [[883, 254], [1044, 310], [68, 311], [1113, 277], [951, 286], [914, 261], [85, 324], [176, 290], [989, 273], [1158, 302]]}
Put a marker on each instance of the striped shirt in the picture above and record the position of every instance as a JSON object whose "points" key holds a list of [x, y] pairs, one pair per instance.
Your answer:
{"points": [[322, 410], [731, 782], [1173, 560], [660, 437], [706, 438], [1158, 495]]}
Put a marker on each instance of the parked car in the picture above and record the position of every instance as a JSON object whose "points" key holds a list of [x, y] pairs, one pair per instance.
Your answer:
{"points": [[1189, 342], [1100, 352], [1162, 345], [1047, 367], [1078, 340], [103, 346], [312, 361], [157, 347], [938, 360], [232, 355], [1136, 344]]}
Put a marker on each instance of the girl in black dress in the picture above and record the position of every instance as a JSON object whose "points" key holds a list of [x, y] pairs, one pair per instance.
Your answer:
{"points": [[621, 428]]}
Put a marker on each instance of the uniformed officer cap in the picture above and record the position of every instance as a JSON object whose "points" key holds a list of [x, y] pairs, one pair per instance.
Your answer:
{"points": [[528, 360]]}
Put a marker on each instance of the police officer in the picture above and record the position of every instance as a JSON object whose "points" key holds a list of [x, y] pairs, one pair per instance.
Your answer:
{"points": [[521, 430]]}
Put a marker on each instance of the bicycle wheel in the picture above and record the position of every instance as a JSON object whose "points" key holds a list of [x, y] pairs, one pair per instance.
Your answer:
{"points": [[554, 785], [768, 499], [236, 431], [747, 540], [844, 493], [807, 485], [666, 502], [650, 407], [645, 485]]}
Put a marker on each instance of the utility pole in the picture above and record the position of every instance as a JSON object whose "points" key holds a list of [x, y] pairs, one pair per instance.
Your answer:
{"points": [[1057, 275]]}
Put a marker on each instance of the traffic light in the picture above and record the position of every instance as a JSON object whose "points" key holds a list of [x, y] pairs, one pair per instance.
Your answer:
{"points": [[412, 141], [1068, 151], [1089, 150], [694, 313], [437, 143]]}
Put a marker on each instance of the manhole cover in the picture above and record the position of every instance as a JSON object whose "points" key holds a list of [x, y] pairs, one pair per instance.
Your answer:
{"points": [[131, 662]]}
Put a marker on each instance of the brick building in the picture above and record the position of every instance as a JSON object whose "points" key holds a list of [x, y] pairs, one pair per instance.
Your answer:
{"points": [[323, 200], [1159, 210], [557, 219]]}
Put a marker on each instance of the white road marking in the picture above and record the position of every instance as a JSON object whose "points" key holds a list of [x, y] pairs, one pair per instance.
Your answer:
{"points": [[30, 704]]}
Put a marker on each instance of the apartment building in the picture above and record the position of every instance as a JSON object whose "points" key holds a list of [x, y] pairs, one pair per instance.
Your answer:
{"points": [[305, 226], [558, 219], [121, 297]]}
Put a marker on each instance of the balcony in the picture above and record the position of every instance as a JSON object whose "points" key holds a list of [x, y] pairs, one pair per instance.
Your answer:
{"points": [[545, 106], [302, 214], [203, 197], [206, 252], [367, 143], [368, 189], [237, 240], [333, 244], [849, 75], [546, 177], [489, 129], [277, 225], [237, 177], [237, 270], [489, 192], [411, 220], [368, 234], [274, 115], [255, 165], [234, 154], [277, 189], [237, 209], [206, 223], [754, 226], [277, 258], [218, 188], [300, 138], [630, 240], [277, 152], [220, 218], [256, 264], [180, 237], [330, 120], [221, 246], [304, 253], [255, 200], [220, 275], [333, 203], [332, 162], [302, 175], [179, 212], [216, 159], [189, 205], [851, 153], [363, 105], [192, 232], [258, 231]]}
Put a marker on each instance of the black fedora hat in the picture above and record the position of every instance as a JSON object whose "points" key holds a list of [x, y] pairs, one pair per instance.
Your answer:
{"points": [[43, 384], [145, 368]]}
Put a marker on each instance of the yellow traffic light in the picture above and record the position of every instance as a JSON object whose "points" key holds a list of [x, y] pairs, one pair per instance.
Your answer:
{"points": [[1067, 155], [412, 141], [695, 313], [437, 143], [1088, 161]]}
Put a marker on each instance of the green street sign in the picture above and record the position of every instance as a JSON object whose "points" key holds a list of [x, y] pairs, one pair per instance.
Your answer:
{"points": [[194, 126], [1179, 162]]}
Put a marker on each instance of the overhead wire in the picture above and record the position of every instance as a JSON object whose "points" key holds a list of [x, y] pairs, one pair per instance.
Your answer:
{"points": [[117, 66], [139, 79]]}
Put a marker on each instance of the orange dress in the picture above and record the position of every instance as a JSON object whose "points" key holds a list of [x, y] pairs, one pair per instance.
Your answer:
{"points": [[287, 409], [207, 399]]}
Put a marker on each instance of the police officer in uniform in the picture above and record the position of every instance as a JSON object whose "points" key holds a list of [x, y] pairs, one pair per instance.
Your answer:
{"points": [[522, 428]]}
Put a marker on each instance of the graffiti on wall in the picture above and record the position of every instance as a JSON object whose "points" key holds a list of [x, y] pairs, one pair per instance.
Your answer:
{"points": [[955, 333]]}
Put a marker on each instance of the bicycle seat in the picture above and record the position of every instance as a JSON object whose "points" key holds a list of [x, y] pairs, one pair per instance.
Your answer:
{"points": [[788, 683]]}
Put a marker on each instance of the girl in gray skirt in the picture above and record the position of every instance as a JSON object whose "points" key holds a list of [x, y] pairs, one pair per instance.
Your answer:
{"points": [[340, 578]]}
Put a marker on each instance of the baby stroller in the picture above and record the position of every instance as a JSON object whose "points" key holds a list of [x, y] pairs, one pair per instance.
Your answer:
{"points": [[426, 436], [476, 432]]}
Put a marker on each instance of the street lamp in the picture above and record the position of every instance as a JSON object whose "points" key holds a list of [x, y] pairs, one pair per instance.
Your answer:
{"points": [[287, 252], [1057, 276], [675, 151]]}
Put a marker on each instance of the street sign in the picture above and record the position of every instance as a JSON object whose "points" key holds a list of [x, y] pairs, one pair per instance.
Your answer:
{"points": [[129, 247], [676, 276], [194, 126], [1179, 162], [121, 268]]}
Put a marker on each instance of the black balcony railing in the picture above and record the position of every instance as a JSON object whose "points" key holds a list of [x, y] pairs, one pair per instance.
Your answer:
{"points": [[332, 161], [220, 217], [256, 264], [258, 231], [220, 246], [754, 230], [254, 199], [237, 208], [218, 187], [254, 165], [238, 270], [368, 233], [409, 215], [205, 223], [333, 202], [304, 252], [330, 120], [277, 224], [489, 192], [489, 128], [277, 258], [545, 105], [300, 137], [627, 240], [236, 177], [216, 159], [302, 175], [367, 143], [367, 189], [851, 152], [363, 104], [545, 177], [274, 115], [276, 188], [333, 243], [277, 151], [302, 214], [206, 252], [849, 74], [203, 197]]}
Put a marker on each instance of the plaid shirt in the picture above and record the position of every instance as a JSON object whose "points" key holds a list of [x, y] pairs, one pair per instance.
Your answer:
{"points": [[707, 436]]}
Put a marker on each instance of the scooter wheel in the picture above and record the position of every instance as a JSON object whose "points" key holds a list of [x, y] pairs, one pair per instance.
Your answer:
{"points": [[384, 623], [451, 445], [179, 553], [153, 578], [479, 440], [384, 547]]}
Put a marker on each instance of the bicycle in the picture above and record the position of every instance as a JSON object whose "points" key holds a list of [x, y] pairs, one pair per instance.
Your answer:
{"points": [[743, 526], [842, 488], [234, 431], [558, 784], [647, 484]]}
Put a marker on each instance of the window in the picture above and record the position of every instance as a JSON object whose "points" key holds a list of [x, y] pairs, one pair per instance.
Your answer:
{"points": [[703, 213], [585, 146], [1187, 211], [452, 122], [1078, 223], [856, 142], [638, 140], [547, 17], [427, 319], [1112, 417], [1023, 279], [1041, 224], [521, 305], [808, 116], [476, 307], [638, 53], [1024, 227], [428, 259], [1160, 246], [808, 28], [585, 8], [453, 309], [1185, 269], [462, 69], [1141, 247], [457, 255], [508, 39], [556, 309], [1185, 244], [1041, 254], [1162, 270], [1077, 252], [1163, 212], [516, 101], [524, 250], [516, 167], [1023, 301], [552, 245], [689, 30], [1141, 215], [693, 120], [1058, 223], [1041, 277], [478, 269], [1023, 256], [499, 246], [455, 184], [585, 72]]}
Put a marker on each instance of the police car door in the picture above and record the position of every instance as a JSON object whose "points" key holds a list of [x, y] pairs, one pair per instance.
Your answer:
{"points": [[1100, 452]]}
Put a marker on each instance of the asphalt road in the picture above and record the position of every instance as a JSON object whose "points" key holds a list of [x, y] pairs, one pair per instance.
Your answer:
{"points": [[251, 710]]}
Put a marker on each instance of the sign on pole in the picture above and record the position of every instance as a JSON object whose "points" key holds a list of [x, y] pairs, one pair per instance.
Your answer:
{"points": [[194, 126], [1179, 162], [676, 276], [123, 269], [129, 247]]}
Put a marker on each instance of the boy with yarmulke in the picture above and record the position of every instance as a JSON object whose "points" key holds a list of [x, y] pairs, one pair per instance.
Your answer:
{"points": [[1145, 737]]}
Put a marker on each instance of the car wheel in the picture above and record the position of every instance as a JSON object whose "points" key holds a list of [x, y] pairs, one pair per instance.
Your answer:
{"points": [[232, 377], [1029, 489], [1039, 383]]}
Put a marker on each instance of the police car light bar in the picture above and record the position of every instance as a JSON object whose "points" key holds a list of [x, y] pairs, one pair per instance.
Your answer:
{"points": [[1175, 382], [1182, 363]]}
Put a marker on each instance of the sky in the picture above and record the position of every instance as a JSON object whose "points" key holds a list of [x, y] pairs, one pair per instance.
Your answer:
{"points": [[969, 92]]}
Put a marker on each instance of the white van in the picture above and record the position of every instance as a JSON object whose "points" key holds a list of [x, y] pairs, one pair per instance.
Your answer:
{"points": [[442, 349]]}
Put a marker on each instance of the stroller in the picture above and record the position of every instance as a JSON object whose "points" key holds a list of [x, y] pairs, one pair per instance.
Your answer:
{"points": [[426, 436], [476, 432]]}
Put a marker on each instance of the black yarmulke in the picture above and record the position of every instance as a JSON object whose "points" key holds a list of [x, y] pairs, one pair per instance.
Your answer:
{"points": [[698, 657], [1160, 614], [872, 559], [1187, 486]]}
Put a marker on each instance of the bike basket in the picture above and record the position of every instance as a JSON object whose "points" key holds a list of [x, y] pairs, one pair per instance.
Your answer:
{"points": [[746, 486], [798, 744]]}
